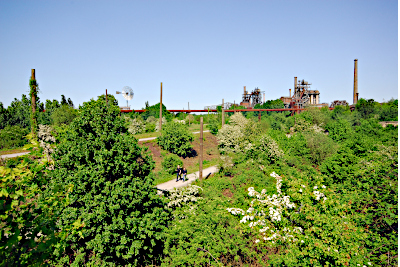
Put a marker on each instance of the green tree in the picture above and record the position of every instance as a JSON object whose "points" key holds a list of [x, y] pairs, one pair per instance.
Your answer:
{"points": [[3, 116], [175, 137], [63, 115], [366, 107], [13, 137], [170, 162], [114, 215], [19, 112], [63, 100], [110, 98], [155, 112]]}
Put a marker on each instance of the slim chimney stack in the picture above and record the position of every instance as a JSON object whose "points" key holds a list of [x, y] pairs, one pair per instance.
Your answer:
{"points": [[355, 91], [295, 85]]}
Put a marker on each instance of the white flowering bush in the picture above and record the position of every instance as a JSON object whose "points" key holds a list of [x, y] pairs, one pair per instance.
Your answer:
{"points": [[237, 136], [230, 138], [179, 121], [310, 222], [151, 119], [189, 118], [268, 213], [163, 122], [265, 148], [238, 119], [46, 139], [184, 196], [136, 125]]}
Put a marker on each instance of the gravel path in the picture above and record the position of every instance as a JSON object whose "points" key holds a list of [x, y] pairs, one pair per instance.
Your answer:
{"points": [[190, 178]]}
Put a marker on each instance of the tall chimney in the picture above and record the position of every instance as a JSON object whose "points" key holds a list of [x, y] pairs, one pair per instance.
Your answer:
{"points": [[290, 92], [244, 88], [295, 85], [355, 92]]}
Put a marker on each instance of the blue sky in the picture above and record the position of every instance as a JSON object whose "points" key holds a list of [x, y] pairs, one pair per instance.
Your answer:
{"points": [[202, 51]]}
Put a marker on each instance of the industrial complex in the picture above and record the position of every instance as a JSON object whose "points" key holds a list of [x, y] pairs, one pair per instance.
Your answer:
{"points": [[301, 97]]}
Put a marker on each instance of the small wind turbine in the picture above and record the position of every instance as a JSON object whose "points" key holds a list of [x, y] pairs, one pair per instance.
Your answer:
{"points": [[127, 93]]}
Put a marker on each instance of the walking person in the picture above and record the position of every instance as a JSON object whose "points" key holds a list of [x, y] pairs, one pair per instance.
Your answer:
{"points": [[178, 173], [184, 172]]}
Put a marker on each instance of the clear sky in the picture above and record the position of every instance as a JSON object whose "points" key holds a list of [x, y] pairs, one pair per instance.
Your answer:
{"points": [[202, 51]]}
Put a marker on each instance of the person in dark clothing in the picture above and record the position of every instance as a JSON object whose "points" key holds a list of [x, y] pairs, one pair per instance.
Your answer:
{"points": [[178, 173], [184, 172]]}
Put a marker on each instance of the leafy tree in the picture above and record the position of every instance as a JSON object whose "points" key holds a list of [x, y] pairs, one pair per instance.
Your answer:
{"points": [[63, 100], [19, 112], [271, 104], [13, 137], [27, 220], [111, 99], [155, 112], [63, 115], [213, 125], [115, 216], [389, 111], [3, 116], [366, 107], [70, 103], [175, 137], [170, 162]]}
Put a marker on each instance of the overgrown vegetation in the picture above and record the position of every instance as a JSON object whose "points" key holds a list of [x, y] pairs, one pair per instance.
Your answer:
{"points": [[176, 138], [316, 189]]}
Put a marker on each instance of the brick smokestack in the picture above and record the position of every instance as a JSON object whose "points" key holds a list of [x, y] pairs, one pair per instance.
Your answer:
{"points": [[355, 91]]}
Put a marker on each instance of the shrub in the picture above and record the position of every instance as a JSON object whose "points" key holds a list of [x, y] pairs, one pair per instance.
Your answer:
{"points": [[115, 216], [170, 162], [163, 122], [213, 125], [265, 148], [320, 147], [63, 115], [136, 125], [13, 137], [176, 138], [27, 219]]}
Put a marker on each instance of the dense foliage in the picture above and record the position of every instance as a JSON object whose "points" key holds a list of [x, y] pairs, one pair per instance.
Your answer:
{"points": [[13, 137], [28, 219], [176, 138], [326, 197], [114, 215], [170, 163], [319, 188]]}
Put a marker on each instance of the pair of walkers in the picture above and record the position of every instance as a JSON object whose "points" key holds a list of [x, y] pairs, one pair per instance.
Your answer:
{"points": [[181, 172]]}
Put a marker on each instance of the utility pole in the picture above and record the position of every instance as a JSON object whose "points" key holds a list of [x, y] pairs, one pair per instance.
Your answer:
{"points": [[33, 93], [160, 108], [201, 150], [223, 113], [33, 98]]}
